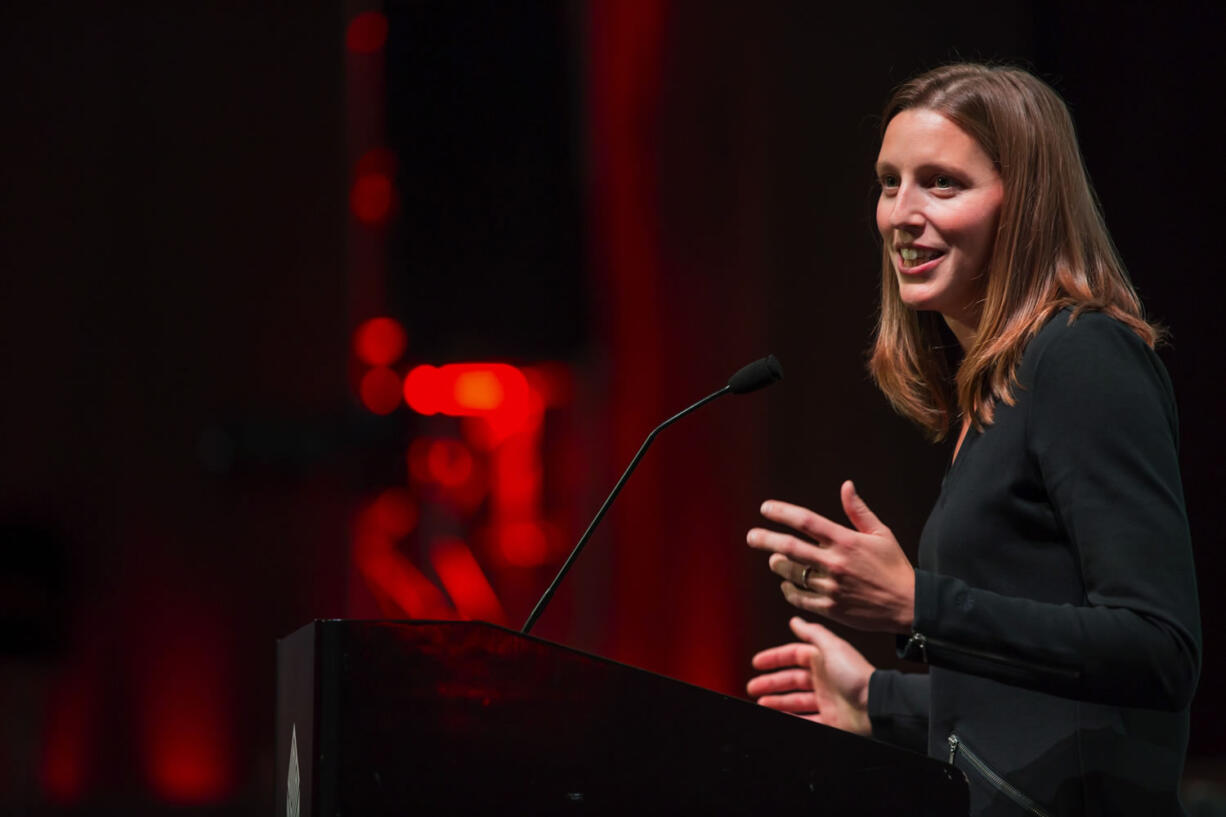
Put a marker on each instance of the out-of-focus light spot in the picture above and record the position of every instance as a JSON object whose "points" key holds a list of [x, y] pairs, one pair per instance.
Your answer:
{"points": [[449, 462], [448, 471], [468, 495], [380, 342], [187, 741], [68, 736], [552, 381], [380, 390], [419, 459], [400, 588], [477, 433], [494, 390], [371, 197], [367, 33], [421, 391], [522, 544], [377, 160], [465, 582], [478, 390], [395, 512]]}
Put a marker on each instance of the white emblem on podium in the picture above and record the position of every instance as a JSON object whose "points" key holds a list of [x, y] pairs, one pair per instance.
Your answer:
{"points": [[291, 788]]}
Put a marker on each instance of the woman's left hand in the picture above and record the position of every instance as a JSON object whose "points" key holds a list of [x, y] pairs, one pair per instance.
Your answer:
{"points": [[859, 577]]}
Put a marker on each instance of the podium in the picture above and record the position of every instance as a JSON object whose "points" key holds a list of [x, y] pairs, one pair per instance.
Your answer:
{"points": [[458, 718]]}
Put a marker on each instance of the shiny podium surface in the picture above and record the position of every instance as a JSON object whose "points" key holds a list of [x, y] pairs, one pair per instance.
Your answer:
{"points": [[406, 718]]}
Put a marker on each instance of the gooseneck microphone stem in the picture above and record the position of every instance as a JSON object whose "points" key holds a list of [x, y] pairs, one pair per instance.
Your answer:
{"points": [[574, 554]]}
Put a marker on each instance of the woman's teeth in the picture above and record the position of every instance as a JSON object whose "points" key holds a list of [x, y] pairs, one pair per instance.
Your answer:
{"points": [[912, 257]]}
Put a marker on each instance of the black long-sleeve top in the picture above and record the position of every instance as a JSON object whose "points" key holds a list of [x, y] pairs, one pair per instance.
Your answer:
{"points": [[1055, 597]]}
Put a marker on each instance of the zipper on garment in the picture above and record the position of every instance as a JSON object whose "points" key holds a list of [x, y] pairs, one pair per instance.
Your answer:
{"points": [[1003, 786], [919, 642]]}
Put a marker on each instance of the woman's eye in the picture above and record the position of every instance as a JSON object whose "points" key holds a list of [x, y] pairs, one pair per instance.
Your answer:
{"points": [[944, 183], [889, 180]]}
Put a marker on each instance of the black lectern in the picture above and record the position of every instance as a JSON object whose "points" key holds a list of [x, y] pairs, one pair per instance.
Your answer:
{"points": [[435, 718]]}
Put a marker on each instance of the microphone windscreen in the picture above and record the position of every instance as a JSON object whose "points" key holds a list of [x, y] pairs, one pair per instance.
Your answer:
{"points": [[756, 375]]}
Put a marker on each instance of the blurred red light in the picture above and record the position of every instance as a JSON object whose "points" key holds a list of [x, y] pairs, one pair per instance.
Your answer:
{"points": [[395, 512], [376, 160], [419, 459], [380, 342], [462, 577], [367, 33], [371, 198], [68, 737], [478, 390], [188, 743], [392, 577], [421, 390], [470, 389], [449, 462], [380, 390], [522, 544], [552, 381]]}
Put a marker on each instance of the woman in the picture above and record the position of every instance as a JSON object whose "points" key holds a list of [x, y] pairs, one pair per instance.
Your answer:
{"points": [[1055, 599]]}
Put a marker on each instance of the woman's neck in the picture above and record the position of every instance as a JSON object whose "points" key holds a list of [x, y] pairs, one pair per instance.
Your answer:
{"points": [[963, 330]]}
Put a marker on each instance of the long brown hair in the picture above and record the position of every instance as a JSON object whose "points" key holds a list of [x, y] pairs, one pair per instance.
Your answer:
{"points": [[1051, 250]]}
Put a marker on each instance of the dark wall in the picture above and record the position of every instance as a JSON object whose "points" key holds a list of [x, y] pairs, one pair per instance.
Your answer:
{"points": [[173, 223]]}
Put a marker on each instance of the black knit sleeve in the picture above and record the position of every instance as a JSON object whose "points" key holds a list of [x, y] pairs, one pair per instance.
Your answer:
{"points": [[1102, 428]]}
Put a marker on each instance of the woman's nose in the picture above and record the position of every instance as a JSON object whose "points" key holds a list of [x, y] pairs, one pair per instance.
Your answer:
{"points": [[906, 212]]}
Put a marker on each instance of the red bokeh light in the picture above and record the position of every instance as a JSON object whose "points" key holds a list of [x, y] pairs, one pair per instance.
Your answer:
{"points": [[380, 342], [188, 745], [462, 577], [478, 390], [449, 462], [449, 471], [395, 512], [377, 160], [552, 381], [399, 587], [496, 391], [371, 197], [380, 390], [522, 544], [367, 33], [69, 736]]}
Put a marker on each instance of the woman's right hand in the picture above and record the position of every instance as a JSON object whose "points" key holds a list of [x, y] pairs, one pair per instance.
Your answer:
{"points": [[824, 679]]}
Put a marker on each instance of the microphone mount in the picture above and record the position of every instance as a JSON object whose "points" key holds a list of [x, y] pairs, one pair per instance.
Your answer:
{"points": [[755, 376]]}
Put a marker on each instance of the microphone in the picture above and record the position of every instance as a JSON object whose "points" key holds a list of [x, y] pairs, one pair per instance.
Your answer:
{"points": [[756, 375]]}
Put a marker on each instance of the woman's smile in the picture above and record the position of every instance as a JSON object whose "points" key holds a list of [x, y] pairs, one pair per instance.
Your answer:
{"points": [[917, 260]]}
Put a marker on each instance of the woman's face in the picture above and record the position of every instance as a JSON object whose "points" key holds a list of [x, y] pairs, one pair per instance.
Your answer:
{"points": [[940, 199]]}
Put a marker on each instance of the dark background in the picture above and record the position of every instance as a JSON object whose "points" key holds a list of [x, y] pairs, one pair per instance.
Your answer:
{"points": [[649, 194]]}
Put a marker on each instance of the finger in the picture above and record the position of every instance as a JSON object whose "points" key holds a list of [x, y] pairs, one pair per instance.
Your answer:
{"points": [[787, 680], [810, 631], [814, 576], [809, 600], [786, 655], [863, 519], [804, 520], [796, 702], [785, 543]]}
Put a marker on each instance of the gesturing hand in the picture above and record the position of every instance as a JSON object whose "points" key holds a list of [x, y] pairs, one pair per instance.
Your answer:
{"points": [[857, 577], [824, 680]]}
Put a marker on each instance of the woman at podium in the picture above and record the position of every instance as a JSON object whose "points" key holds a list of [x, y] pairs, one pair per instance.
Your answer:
{"points": [[1054, 601]]}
